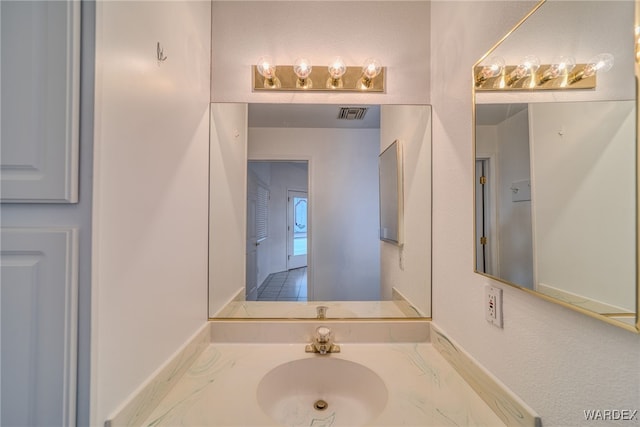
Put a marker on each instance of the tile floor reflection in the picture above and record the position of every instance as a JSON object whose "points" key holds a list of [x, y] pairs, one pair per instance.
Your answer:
{"points": [[284, 286]]}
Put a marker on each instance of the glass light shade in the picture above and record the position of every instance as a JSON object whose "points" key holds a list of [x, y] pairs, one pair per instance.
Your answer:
{"points": [[560, 66], [527, 67], [302, 68], [371, 68], [337, 68], [530, 63], [266, 67], [493, 67], [599, 63]]}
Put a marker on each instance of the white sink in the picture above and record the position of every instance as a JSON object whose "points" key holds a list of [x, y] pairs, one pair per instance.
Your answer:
{"points": [[293, 393]]}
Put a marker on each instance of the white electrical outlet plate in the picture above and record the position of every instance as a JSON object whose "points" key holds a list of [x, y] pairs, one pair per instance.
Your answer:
{"points": [[493, 305]]}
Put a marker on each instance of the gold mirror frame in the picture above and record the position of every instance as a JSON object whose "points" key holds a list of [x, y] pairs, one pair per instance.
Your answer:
{"points": [[607, 319]]}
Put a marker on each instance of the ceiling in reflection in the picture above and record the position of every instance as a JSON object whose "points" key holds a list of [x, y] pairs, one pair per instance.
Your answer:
{"points": [[310, 116]]}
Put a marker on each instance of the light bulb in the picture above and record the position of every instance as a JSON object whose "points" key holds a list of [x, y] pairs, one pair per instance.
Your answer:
{"points": [[560, 66], [336, 68], [493, 68], [267, 69], [371, 68], [302, 67], [599, 63], [527, 67]]}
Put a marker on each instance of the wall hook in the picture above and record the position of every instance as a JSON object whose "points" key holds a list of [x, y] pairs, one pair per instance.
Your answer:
{"points": [[160, 54]]}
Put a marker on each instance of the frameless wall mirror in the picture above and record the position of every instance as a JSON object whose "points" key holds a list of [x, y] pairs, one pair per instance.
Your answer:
{"points": [[295, 215], [556, 179]]}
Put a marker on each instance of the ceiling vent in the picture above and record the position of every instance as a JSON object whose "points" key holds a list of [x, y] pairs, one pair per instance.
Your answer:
{"points": [[352, 113]]}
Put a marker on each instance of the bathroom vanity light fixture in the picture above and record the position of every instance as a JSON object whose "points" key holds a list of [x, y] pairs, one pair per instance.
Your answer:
{"points": [[561, 74], [303, 76]]}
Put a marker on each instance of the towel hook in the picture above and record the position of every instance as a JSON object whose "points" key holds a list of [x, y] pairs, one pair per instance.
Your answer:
{"points": [[160, 54]]}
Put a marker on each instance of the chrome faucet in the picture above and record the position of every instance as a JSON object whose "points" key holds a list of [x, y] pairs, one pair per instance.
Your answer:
{"points": [[322, 311], [322, 342]]}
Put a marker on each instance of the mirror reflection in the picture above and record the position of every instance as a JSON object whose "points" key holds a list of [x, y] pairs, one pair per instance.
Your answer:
{"points": [[556, 173], [313, 213]]}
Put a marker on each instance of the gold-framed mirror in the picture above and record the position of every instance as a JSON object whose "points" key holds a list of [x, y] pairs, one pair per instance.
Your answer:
{"points": [[556, 170]]}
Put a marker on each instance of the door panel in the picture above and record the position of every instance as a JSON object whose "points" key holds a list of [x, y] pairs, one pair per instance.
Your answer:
{"points": [[38, 297]]}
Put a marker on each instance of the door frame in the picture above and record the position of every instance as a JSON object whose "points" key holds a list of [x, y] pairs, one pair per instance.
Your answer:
{"points": [[491, 210]]}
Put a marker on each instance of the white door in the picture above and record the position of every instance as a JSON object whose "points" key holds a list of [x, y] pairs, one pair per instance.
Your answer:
{"points": [[297, 229], [252, 252]]}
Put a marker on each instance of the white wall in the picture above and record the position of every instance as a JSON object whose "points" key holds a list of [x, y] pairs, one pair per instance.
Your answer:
{"points": [[150, 191], [584, 214], [343, 204], [559, 361], [408, 268], [515, 240], [228, 203], [393, 31]]}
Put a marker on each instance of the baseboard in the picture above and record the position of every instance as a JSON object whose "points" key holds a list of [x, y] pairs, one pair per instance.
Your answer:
{"points": [[504, 403], [581, 301], [141, 403], [404, 305]]}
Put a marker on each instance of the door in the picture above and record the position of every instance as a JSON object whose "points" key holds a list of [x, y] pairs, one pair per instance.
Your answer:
{"points": [[251, 292], [297, 229], [252, 252]]}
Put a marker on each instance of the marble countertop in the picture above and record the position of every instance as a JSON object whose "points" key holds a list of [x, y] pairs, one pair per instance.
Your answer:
{"points": [[219, 388]]}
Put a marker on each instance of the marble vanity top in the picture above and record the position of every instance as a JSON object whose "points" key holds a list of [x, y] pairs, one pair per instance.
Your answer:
{"points": [[219, 388]]}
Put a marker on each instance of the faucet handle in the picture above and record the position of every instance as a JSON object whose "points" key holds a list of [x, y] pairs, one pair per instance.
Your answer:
{"points": [[323, 334]]}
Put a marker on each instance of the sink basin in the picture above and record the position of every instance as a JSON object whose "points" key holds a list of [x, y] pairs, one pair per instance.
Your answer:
{"points": [[322, 391]]}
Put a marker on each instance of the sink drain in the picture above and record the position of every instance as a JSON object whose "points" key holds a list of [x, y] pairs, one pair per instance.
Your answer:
{"points": [[321, 405]]}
